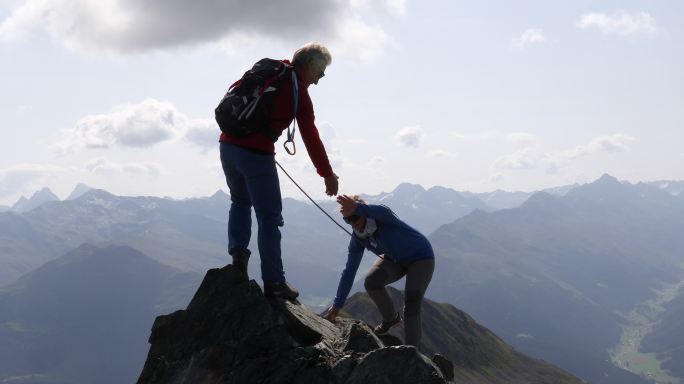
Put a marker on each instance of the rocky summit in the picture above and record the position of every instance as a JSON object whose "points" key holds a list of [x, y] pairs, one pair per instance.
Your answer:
{"points": [[230, 333]]}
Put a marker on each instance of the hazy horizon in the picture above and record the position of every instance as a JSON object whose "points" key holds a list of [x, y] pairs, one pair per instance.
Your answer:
{"points": [[303, 198]]}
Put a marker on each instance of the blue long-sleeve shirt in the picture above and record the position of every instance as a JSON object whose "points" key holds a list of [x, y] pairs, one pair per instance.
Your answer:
{"points": [[393, 239]]}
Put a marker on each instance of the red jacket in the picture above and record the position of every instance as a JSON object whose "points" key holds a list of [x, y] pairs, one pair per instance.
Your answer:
{"points": [[280, 118]]}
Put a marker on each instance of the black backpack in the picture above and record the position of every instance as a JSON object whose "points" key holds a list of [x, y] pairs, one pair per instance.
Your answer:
{"points": [[245, 108]]}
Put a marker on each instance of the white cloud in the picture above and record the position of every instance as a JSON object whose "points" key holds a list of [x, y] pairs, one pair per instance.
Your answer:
{"points": [[202, 132], [104, 166], [533, 157], [608, 143], [134, 26], [393, 7], [526, 158], [529, 37], [358, 40], [440, 153], [410, 136], [20, 177], [140, 125], [620, 23]]}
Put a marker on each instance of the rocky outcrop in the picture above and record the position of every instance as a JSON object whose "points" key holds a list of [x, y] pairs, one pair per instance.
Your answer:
{"points": [[230, 333]]}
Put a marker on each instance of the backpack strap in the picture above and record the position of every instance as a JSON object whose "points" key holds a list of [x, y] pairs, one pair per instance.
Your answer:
{"points": [[291, 135]]}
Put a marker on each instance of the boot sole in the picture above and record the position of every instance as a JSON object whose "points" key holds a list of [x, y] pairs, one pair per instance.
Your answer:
{"points": [[280, 296]]}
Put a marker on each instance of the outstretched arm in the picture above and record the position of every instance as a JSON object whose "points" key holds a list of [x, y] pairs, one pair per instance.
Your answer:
{"points": [[313, 144], [347, 279]]}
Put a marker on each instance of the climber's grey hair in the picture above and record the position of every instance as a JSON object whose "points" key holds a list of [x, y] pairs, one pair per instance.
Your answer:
{"points": [[312, 52]]}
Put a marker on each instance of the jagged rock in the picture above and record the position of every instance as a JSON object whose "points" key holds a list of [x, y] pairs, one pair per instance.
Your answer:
{"points": [[445, 366], [220, 337], [390, 340], [360, 338], [231, 334], [305, 328], [401, 364]]}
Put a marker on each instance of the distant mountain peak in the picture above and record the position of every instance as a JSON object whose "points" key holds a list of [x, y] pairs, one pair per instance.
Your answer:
{"points": [[605, 187], [607, 179], [41, 196], [78, 191], [22, 200], [44, 194], [409, 188], [219, 195], [96, 194]]}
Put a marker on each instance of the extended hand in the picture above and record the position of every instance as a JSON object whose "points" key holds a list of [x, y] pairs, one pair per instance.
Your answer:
{"points": [[331, 314], [347, 205], [331, 185]]}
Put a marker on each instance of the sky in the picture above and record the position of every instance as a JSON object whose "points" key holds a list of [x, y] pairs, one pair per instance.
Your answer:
{"points": [[471, 95]]}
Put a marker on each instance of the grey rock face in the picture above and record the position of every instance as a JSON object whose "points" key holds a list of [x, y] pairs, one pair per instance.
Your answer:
{"points": [[230, 333], [360, 338]]}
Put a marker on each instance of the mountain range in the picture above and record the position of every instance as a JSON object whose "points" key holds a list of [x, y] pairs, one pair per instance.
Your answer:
{"points": [[167, 230], [558, 277], [85, 317]]}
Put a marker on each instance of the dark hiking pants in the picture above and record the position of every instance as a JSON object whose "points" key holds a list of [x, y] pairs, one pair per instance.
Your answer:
{"points": [[253, 181], [418, 275]]}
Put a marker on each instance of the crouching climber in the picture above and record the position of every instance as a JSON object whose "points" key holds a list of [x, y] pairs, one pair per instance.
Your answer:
{"points": [[402, 251]]}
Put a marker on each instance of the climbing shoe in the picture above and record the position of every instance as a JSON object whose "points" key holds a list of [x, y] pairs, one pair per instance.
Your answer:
{"points": [[279, 289], [240, 261], [387, 325]]}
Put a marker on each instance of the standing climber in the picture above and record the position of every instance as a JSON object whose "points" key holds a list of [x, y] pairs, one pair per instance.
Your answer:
{"points": [[249, 166]]}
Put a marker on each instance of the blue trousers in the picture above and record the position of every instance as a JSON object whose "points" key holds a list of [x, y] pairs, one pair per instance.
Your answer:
{"points": [[253, 181]]}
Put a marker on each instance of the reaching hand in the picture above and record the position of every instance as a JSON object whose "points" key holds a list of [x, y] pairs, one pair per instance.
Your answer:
{"points": [[331, 314], [331, 185], [347, 205]]}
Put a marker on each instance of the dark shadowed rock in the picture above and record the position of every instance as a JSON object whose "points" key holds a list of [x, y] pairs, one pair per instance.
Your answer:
{"points": [[445, 366], [230, 333], [343, 367], [401, 364], [390, 340]]}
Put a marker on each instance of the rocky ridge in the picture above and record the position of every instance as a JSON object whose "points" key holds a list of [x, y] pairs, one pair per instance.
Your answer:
{"points": [[230, 333]]}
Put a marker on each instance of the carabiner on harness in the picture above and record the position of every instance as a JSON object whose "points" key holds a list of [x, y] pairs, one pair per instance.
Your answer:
{"points": [[291, 134]]}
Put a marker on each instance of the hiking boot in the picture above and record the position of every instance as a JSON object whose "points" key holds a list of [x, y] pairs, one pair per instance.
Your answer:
{"points": [[240, 261], [385, 326], [280, 289]]}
